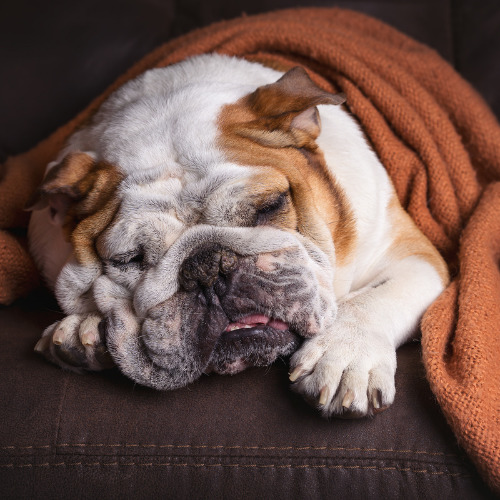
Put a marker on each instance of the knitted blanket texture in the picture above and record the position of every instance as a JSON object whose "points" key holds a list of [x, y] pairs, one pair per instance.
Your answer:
{"points": [[440, 144]]}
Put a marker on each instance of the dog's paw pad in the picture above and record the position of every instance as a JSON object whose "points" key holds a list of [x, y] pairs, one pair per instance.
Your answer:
{"points": [[75, 343], [344, 383]]}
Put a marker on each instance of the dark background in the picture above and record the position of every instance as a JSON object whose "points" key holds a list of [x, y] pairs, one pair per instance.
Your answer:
{"points": [[57, 55]]}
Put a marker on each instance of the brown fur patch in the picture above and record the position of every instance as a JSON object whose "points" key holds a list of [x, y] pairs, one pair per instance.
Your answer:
{"points": [[321, 208], [265, 188], [90, 188], [284, 112], [408, 241]]}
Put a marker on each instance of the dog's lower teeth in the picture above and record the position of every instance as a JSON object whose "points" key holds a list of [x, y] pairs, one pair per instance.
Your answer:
{"points": [[276, 324]]}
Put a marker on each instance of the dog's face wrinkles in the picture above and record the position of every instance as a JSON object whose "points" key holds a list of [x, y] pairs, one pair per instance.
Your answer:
{"points": [[216, 274], [213, 260], [214, 287]]}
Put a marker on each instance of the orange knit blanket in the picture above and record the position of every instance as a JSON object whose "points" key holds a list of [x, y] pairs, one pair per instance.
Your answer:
{"points": [[441, 147]]}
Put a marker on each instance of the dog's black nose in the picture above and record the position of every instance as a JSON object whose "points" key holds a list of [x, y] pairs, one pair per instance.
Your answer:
{"points": [[206, 266]]}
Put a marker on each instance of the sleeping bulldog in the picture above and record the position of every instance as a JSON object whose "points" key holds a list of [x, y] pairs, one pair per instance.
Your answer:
{"points": [[216, 215]]}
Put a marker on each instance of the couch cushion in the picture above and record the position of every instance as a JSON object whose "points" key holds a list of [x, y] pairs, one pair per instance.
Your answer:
{"points": [[98, 435]]}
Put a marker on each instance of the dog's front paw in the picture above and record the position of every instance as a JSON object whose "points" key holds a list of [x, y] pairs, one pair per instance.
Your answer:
{"points": [[346, 375], [75, 343]]}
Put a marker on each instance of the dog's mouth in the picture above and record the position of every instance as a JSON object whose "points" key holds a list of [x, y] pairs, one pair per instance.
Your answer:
{"points": [[254, 340], [256, 320]]}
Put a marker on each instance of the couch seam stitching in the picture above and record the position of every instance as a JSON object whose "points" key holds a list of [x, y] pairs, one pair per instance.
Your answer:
{"points": [[255, 466], [235, 447]]}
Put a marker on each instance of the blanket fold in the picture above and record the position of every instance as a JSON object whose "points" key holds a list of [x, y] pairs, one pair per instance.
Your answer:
{"points": [[441, 146]]}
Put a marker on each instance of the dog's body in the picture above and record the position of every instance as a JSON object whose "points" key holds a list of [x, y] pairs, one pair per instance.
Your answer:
{"points": [[214, 213]]}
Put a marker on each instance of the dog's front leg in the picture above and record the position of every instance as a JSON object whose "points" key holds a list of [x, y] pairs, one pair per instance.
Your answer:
{"points": [[348, 369]]}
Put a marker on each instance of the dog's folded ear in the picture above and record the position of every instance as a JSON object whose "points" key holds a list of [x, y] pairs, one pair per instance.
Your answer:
{"points": [[64, 184], [76, 189], [285, 111]]}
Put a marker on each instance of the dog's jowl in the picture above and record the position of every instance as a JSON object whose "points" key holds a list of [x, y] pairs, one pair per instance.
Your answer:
{"points": [[216, 215]]}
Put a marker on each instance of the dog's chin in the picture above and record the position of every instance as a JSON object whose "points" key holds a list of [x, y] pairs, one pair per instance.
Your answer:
{"points": [[239, 349]]}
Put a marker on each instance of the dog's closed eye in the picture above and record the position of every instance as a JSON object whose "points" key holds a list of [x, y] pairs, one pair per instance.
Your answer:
{"points": [[132, 258], [271, 208]]}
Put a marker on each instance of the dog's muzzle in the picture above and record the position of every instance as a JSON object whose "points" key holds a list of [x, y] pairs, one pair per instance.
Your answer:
{"points": [[253, 339], [229, 311]]}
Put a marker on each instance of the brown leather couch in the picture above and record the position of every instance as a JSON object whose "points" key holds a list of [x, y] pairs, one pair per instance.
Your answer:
{"points": [[64, 435]]}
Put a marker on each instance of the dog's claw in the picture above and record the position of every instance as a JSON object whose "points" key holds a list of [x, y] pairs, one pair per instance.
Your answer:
{"points": [[58, 337], [42, 344], [296, 374], [348, 399], [88, 339], [323, 396]]}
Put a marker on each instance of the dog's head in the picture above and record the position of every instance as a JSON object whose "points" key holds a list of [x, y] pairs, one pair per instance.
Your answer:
{"points": [[204, 222]]}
